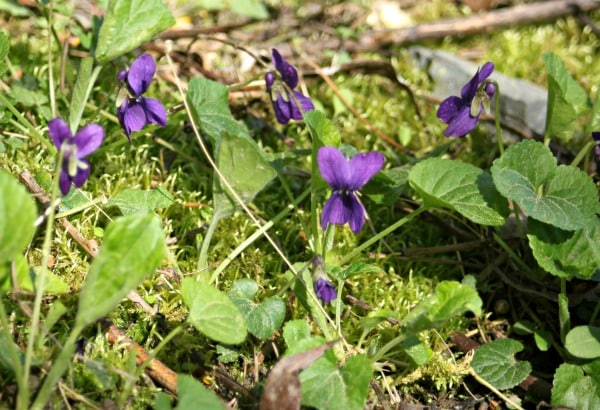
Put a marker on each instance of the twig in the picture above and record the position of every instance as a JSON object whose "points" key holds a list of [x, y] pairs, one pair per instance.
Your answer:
{"points": [[156, 369]]}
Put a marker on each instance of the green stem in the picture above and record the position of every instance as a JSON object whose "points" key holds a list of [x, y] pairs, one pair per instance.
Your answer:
{"points": [[57, 369], [511, 253], [497, 118], [564, 318], [28, 125], [382, 234], [40, 285], [241, 247], [203, 258], [314, 215], [17, 364], [50, 65], [583, 153], [161, 345]]}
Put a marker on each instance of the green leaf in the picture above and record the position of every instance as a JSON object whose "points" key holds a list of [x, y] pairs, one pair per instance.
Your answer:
{"points": [[209, 103], [213, 313], [419, 352], [249, 8], [263, 318], [192, 394], [594, 122], [461, 187], [451, 299], [496, 364], [575, 390], [242, 164], [4, 46], [17, 216], [562, 196], [322, 129], [128, 24], [566, 99], [137, 201], [327, 386], [133, 247], [6, 359], [583, 342], [566, 254], [28, 97], [81, 92], [386, 187]]}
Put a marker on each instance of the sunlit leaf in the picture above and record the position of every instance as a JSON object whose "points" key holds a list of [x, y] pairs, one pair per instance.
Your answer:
{"points": [[213, 313], [574, 389], [133, 247], [461, 187], [191, 394], [495, 363], [137, 201], [562, 196], [17, 216], [128, 24], [584, 342], [566, 99]]}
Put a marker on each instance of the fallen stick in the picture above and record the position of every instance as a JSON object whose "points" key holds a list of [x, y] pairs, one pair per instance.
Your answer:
{"points": [[156, 369]]}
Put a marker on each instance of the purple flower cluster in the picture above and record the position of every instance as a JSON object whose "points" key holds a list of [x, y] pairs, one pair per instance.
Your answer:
{"points": [[346, 177], [462, 113], [287, 103], [73, 149], [137, 111]]}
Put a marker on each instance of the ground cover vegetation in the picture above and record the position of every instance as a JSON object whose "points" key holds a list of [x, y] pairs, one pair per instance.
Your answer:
{"points": [[270, 205]]}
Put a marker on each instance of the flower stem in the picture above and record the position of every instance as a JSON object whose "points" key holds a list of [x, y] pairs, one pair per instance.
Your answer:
{"points": [[382, 234], [497, 118], [40, 286]]}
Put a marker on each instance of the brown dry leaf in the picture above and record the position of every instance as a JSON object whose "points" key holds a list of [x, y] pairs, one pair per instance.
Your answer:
{"points": [[282, 391]]}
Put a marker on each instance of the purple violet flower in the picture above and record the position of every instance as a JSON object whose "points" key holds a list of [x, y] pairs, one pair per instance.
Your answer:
{"points": [[462, 113], [75, 169], [284, 104], [345, 178], [324, 289], [137, 111]]}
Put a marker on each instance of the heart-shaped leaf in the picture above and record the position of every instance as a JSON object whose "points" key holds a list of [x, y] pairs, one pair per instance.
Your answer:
{"points": [[563, 253], [495, 363], [263, 318], [584, 342], [461, 187], [137, 201], [562, 196], [213, 313], [575, 390]]}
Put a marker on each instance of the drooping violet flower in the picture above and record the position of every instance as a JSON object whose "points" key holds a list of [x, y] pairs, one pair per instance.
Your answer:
{"points": [[75, 168], [135, 112], [462, 113], [323, 287], [345, 178], [596, 137], [281, 91]]}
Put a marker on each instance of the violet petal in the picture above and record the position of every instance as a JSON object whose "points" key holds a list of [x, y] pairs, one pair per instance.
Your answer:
{"points": [[155, 111], [88, 139], [59, 132], [363, 167], [289, 75], [334, 167], [141, 73]]}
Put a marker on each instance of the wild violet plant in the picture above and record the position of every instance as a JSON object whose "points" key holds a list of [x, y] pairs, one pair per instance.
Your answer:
{"points": [[560, 203]]}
